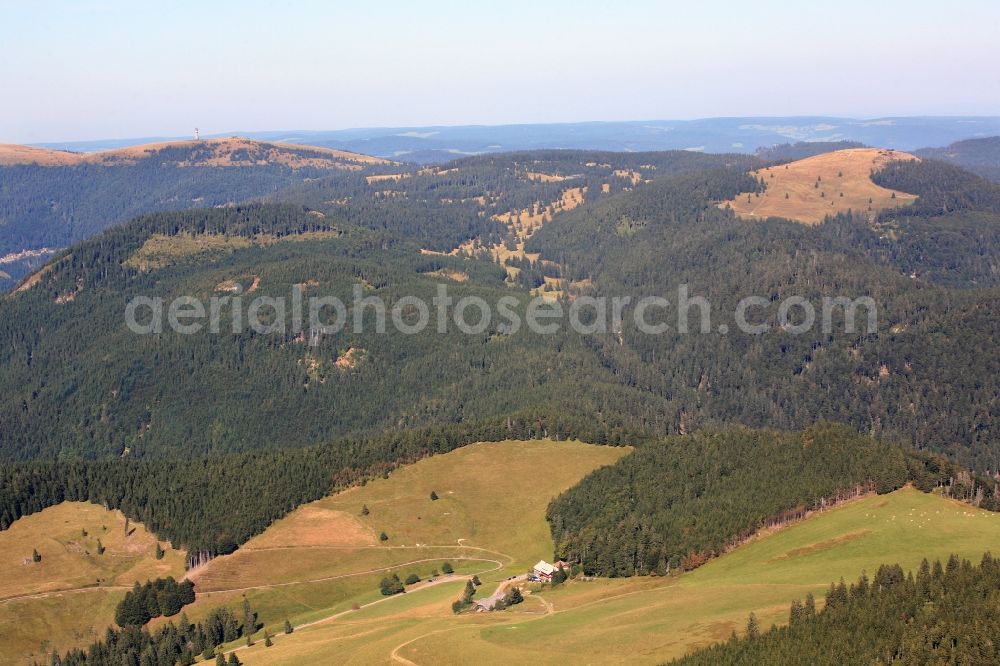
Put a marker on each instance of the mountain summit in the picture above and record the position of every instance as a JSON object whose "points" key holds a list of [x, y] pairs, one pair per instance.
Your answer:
{"points": [[224, 152]]}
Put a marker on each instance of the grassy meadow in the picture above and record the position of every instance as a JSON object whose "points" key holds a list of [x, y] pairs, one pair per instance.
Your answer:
{"points": [[649, 620], [810, 189], [325, 557], [320, 566], [69, 596]]}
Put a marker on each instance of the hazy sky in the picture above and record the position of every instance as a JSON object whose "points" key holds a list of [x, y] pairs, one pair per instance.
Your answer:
{"points": [[104, 69]]}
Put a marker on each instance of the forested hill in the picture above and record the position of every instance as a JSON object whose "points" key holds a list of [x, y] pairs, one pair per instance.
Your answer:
{"points": [[950, 235], [228, 498], [933, 342], [677, 502], [78, 383], [468, 202], [928, 375], [981, 156], [50, 199]]}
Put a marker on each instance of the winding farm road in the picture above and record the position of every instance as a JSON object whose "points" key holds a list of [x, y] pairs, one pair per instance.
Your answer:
{"points": [[398, 658], [504, 560], [269, 586], [414, 588], [68, 590]]}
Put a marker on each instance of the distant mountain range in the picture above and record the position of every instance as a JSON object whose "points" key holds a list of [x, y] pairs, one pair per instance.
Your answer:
{"points": [[213, 152], [560, 224], [50, 198], [54, 195], [712, 135]]}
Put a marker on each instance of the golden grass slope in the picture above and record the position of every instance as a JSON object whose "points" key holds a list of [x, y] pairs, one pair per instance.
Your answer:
{"points": [[12, 154], [326, 556], [492, 496], [69, 596], [222, 152], [810, 189], [651, 620]]}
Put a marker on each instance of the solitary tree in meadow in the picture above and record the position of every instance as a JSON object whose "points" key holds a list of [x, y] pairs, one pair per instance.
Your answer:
{"points": [[249, 618]]}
